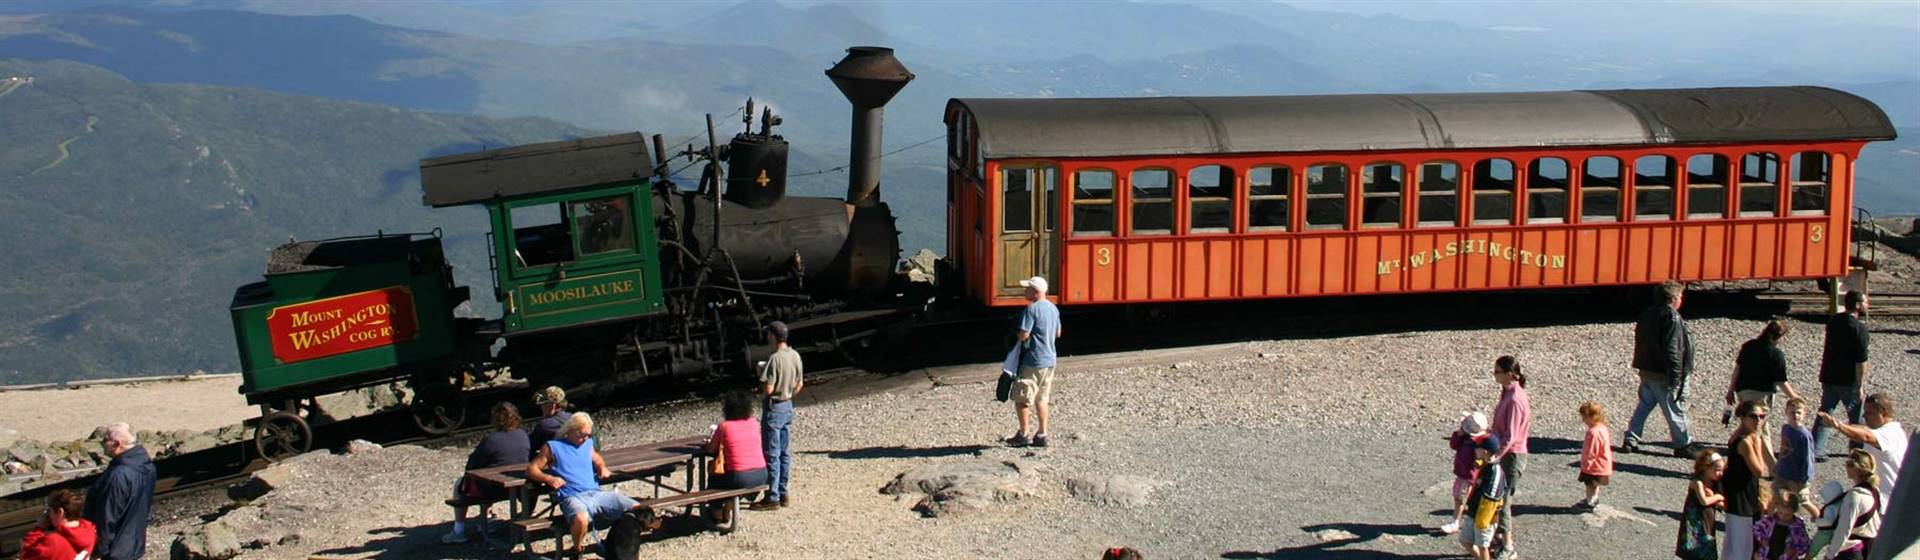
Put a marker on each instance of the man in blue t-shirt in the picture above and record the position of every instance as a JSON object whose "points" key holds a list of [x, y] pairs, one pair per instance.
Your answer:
{"points": [[1039, 326]]}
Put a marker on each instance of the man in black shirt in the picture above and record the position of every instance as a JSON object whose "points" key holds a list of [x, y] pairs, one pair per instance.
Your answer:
{"points": [[1761, 368], [553, 418], [1843, 367], [1663, 356], [507, 445]]}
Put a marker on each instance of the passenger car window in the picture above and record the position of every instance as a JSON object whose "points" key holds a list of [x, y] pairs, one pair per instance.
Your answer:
{"points": [[1210, 199], [1707, 186], [1327, 196], [1380, 194], [1270, 190], [1653, 183], [1759, 184], [1493, 191], [1152, 191], [1016, 200], [1547, 183], [1093, 202], [1811, 176], [1600, 189], [1439, 194]]}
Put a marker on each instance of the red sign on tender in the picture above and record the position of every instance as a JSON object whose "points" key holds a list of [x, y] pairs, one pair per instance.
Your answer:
{"points": [[338, 325]]}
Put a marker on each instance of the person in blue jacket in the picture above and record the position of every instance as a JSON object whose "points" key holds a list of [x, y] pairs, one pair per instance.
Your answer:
{"points": [[120, 502]]}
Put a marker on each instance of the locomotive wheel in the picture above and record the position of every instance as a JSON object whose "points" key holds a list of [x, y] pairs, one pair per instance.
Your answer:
{"points": [[439, 411], [281, 435]]}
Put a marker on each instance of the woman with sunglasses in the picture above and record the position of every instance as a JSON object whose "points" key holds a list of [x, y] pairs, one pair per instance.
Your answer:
{"points": [[1750, 463]]}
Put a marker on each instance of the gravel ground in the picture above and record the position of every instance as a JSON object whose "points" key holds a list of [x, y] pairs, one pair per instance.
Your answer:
{"points": [[1323, 448]]}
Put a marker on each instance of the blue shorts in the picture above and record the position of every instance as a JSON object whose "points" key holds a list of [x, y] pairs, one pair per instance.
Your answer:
{"points": [[600, 506]]}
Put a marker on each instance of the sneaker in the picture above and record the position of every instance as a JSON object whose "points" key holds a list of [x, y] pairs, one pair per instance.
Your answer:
{"points": [[1040, 440], [1507, 554], [1450, 527], [1017, 440], [454, 538], [1586, 505], [1629, 447]]}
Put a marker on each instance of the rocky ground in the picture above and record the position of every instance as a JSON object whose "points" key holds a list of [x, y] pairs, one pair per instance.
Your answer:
{"points": [[1316, 448]]}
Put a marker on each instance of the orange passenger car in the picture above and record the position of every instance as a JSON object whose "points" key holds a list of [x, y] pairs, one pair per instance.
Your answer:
{"points": [[1175, 199]]}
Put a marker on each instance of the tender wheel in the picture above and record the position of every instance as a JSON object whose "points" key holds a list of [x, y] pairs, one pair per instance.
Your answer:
{"points": [[439, 411], [281, 435]]}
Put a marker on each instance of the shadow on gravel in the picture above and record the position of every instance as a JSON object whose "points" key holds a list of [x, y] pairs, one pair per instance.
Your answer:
{"points": [[1362, 532], [900, 452], [1674, 515], [1552, 446], [1647, 470], [412, 542]]}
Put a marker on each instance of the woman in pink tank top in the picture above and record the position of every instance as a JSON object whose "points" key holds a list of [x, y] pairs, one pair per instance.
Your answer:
{"points": [[737, 441]]}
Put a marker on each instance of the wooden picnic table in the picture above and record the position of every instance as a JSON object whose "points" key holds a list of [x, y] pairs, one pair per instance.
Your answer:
{"points": [[650, 462]]}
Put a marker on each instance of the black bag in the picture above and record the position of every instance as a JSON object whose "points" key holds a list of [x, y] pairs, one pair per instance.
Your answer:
{"points": [[1005, 389]]}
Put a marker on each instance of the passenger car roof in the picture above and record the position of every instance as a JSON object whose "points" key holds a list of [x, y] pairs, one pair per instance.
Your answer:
{"points": [[1144, 126]]}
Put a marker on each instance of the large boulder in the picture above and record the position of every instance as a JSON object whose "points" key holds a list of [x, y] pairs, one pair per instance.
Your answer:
{"points": [[360, 446], [213, 541], [199, 442], [26, 450], [262, 482], [232, 433], [965, 486], [1115, 490]]}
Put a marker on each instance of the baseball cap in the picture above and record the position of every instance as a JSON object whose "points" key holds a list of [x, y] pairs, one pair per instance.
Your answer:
{"points": [[1036, 283], [777, 330], [1490, 443], [1473, 423], [550, 395]]}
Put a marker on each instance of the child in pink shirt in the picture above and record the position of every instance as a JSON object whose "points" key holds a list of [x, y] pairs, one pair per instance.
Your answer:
{"points": [[1473, 428], [1596, 454]]}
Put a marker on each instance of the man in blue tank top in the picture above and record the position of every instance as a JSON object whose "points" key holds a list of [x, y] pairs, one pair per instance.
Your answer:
{"points": [[573, 469]]}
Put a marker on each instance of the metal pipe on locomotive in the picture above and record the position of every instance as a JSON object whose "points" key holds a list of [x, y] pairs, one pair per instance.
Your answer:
{"points": [[606, 272]]}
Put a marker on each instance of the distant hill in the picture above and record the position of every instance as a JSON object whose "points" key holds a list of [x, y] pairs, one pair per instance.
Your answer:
{"points": [[132, 211]]}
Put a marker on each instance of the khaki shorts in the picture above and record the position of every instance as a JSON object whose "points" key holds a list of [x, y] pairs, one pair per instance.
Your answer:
{"points": [[1035, 386]]}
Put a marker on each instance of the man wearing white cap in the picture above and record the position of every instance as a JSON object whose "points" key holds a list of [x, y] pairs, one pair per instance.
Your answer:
{"points": [[1039, 326]]}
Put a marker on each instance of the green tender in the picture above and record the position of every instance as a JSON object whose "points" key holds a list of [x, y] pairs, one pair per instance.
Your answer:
{"points": [[337, 268]]}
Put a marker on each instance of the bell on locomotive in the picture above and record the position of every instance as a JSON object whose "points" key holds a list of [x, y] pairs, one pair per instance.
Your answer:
{"points": [[757, 162]]}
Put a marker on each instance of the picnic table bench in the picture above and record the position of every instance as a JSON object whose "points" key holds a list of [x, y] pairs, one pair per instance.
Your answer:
{"points": [[652, 463]]}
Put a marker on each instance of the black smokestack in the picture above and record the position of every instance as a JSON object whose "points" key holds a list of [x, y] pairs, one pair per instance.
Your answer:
{"points": [[868, 76]]}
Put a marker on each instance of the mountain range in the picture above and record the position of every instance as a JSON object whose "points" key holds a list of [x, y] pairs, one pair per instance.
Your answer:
{"points": [[164, 145]]}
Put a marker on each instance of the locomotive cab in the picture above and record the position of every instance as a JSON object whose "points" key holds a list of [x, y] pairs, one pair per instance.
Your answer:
{"points": [[571, 241]]}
